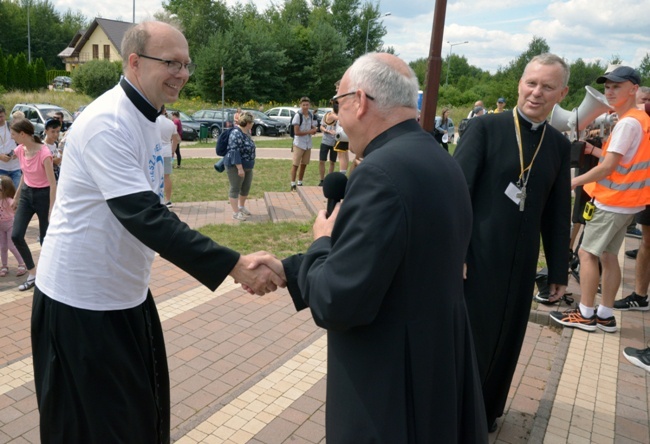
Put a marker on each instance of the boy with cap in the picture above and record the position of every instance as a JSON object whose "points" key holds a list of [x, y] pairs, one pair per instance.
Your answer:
{"points": [[617, 186], [501, 106]]}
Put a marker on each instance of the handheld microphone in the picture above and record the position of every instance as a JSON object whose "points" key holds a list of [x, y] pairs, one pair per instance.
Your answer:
{"points": [[334, 190]]}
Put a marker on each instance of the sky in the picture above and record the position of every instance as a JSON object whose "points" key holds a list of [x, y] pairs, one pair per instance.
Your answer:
{"points": [[497, 31]]}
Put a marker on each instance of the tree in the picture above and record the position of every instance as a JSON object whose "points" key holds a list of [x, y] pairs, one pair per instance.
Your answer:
{"points": [[420, 67], [11, 72], [21, 79], [644, 69], [3, 70], [200, 19], [40, 74], [95, 77]]}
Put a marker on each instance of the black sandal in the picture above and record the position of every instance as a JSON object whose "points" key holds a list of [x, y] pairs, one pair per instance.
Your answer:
{"points": [[29, 283]]}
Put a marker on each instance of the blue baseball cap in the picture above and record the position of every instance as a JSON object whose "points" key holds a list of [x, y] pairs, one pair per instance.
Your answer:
{"points": [[501, 100], [621, 74]]}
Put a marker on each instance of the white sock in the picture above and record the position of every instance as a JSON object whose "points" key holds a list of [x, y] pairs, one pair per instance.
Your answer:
{"points": [[293, 183], [587, 312], [605, 312], [344, 171]]}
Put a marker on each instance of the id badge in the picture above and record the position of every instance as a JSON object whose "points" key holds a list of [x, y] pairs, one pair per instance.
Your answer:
{"points": [[513, 193]]}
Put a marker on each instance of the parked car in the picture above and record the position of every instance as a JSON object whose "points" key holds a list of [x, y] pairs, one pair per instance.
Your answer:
{"points": [[265, 126], [61, 82], [191, 128], [38, 113], [214, 119], [283, 114]]}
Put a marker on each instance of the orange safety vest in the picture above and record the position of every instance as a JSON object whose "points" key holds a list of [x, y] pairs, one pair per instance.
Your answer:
{"points": [[629, 184]]}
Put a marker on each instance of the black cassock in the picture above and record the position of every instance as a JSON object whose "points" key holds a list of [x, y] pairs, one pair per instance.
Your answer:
{"points": [[503, 252], [388, 288]]}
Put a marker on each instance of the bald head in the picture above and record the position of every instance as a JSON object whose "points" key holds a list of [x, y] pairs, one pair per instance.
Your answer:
{"points": [[137, 38], [378, 91]]}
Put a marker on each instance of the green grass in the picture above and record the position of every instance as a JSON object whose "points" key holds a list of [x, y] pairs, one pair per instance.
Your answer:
{"points": [[281, 239], [68, 100], [197, 180]]}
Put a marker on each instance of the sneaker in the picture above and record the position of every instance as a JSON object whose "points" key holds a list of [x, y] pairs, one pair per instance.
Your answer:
{"points": [[632, 302], [607, 324], [320, 184], [244, 211], [300, 183], [633, 232], [638, 357], [632, 253], [293, 187], [573, 318], [169, 204], [543, 298], [239, 216]]}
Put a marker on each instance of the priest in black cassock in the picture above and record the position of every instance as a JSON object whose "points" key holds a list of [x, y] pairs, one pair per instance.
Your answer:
{"points": [[517, 170], [384, 276]]}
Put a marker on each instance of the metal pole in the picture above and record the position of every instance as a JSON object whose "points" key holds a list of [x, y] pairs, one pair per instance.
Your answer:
{"points": [[134, 11], [29, 37], [368, 28], [451, 46]]}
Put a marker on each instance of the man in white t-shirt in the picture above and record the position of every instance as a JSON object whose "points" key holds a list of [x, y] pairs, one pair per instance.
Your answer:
{"points": [[170, 140], [100, 366], [9, 164], [618, 186], [305, 126]]}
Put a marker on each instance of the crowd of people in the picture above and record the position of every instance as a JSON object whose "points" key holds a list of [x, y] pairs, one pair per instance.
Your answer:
{"points": [[430, 316]]}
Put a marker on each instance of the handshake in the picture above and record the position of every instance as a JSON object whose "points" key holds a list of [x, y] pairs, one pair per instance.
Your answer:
{"points": [[259, 273]]}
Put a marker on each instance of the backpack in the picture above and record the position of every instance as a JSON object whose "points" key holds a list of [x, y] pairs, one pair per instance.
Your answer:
{"points": [[222, 142], [292, 131], [462, 126]]}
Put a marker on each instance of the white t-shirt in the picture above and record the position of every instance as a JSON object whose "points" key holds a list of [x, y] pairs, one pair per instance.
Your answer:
{"points": [[303, 142], [89, 260], [7, 145], [167, 130], [625, 140]]}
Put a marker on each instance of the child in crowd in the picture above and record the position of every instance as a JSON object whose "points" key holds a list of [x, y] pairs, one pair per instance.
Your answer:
{"points": [[52, 130], [7, 192]]}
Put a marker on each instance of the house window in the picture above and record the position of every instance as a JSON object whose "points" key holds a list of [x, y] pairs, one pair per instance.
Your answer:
{"points": [[95, 52], [107, 52]]}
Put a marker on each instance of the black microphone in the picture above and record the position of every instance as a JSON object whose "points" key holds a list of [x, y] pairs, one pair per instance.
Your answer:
{"points": [[334, 190]]}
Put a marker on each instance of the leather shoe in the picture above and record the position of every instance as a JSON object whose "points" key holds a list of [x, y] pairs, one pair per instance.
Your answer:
{"points": [[631, 253], [493, 427]]}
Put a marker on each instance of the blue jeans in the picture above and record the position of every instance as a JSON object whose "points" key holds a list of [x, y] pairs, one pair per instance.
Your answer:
{"points": [[32, 201], [15, 176]]}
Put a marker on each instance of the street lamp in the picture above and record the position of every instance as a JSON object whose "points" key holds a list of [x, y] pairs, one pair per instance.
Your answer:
{"points": [[368, 28], [451, 46]]}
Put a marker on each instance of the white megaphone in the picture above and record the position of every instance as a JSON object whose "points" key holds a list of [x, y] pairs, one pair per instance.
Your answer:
{"points": [[593, 105], [604, 120]]}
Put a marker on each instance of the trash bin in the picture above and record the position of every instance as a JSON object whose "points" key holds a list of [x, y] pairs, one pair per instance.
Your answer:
{"points": [[203, 132]]}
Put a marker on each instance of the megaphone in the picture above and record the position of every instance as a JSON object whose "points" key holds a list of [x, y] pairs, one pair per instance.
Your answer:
{"points": [[593, 105], [605, 120]]}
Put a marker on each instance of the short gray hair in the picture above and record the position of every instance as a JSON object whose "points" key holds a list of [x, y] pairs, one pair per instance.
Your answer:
{"points": [[134, 42], [644, 89], [551, 59], [384, 82]]}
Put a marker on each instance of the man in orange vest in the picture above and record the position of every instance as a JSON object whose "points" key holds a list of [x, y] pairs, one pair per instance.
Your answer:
{"points": [[618, 188]]}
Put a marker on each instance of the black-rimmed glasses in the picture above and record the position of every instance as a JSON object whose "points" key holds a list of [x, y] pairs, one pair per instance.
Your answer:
{"points": [[173, 67], [335, 99]]}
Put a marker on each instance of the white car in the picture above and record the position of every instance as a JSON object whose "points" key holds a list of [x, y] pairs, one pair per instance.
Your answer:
{"points": [[283, 114]]}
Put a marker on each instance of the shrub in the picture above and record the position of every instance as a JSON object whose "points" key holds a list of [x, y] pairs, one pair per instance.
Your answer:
{"points": [[95, 77]]}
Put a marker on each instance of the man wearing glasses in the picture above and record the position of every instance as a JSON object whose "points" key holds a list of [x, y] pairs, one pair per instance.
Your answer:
{"points": [[384, 275], [100, 365]]}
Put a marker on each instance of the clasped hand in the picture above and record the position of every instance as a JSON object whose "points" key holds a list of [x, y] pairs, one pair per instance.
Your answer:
{"points": [[259, 273]]}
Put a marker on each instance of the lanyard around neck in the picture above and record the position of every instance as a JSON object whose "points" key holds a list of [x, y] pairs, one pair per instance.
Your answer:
{"points": [[521, 151]]}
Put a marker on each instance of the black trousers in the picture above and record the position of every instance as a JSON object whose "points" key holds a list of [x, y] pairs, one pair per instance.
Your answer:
{"points": [[100, 376], [178, 155], [32, 201]]}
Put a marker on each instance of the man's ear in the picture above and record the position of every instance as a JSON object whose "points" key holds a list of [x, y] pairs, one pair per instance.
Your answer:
{"points": [[364, 103], [134, 61]]}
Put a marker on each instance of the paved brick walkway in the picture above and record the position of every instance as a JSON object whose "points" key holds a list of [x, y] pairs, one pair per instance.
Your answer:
{"points": [[250, 369]]}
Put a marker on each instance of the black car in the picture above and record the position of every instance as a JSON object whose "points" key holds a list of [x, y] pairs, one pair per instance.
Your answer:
{"points": [[215, 119], [191, 128], [265, 126]]}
